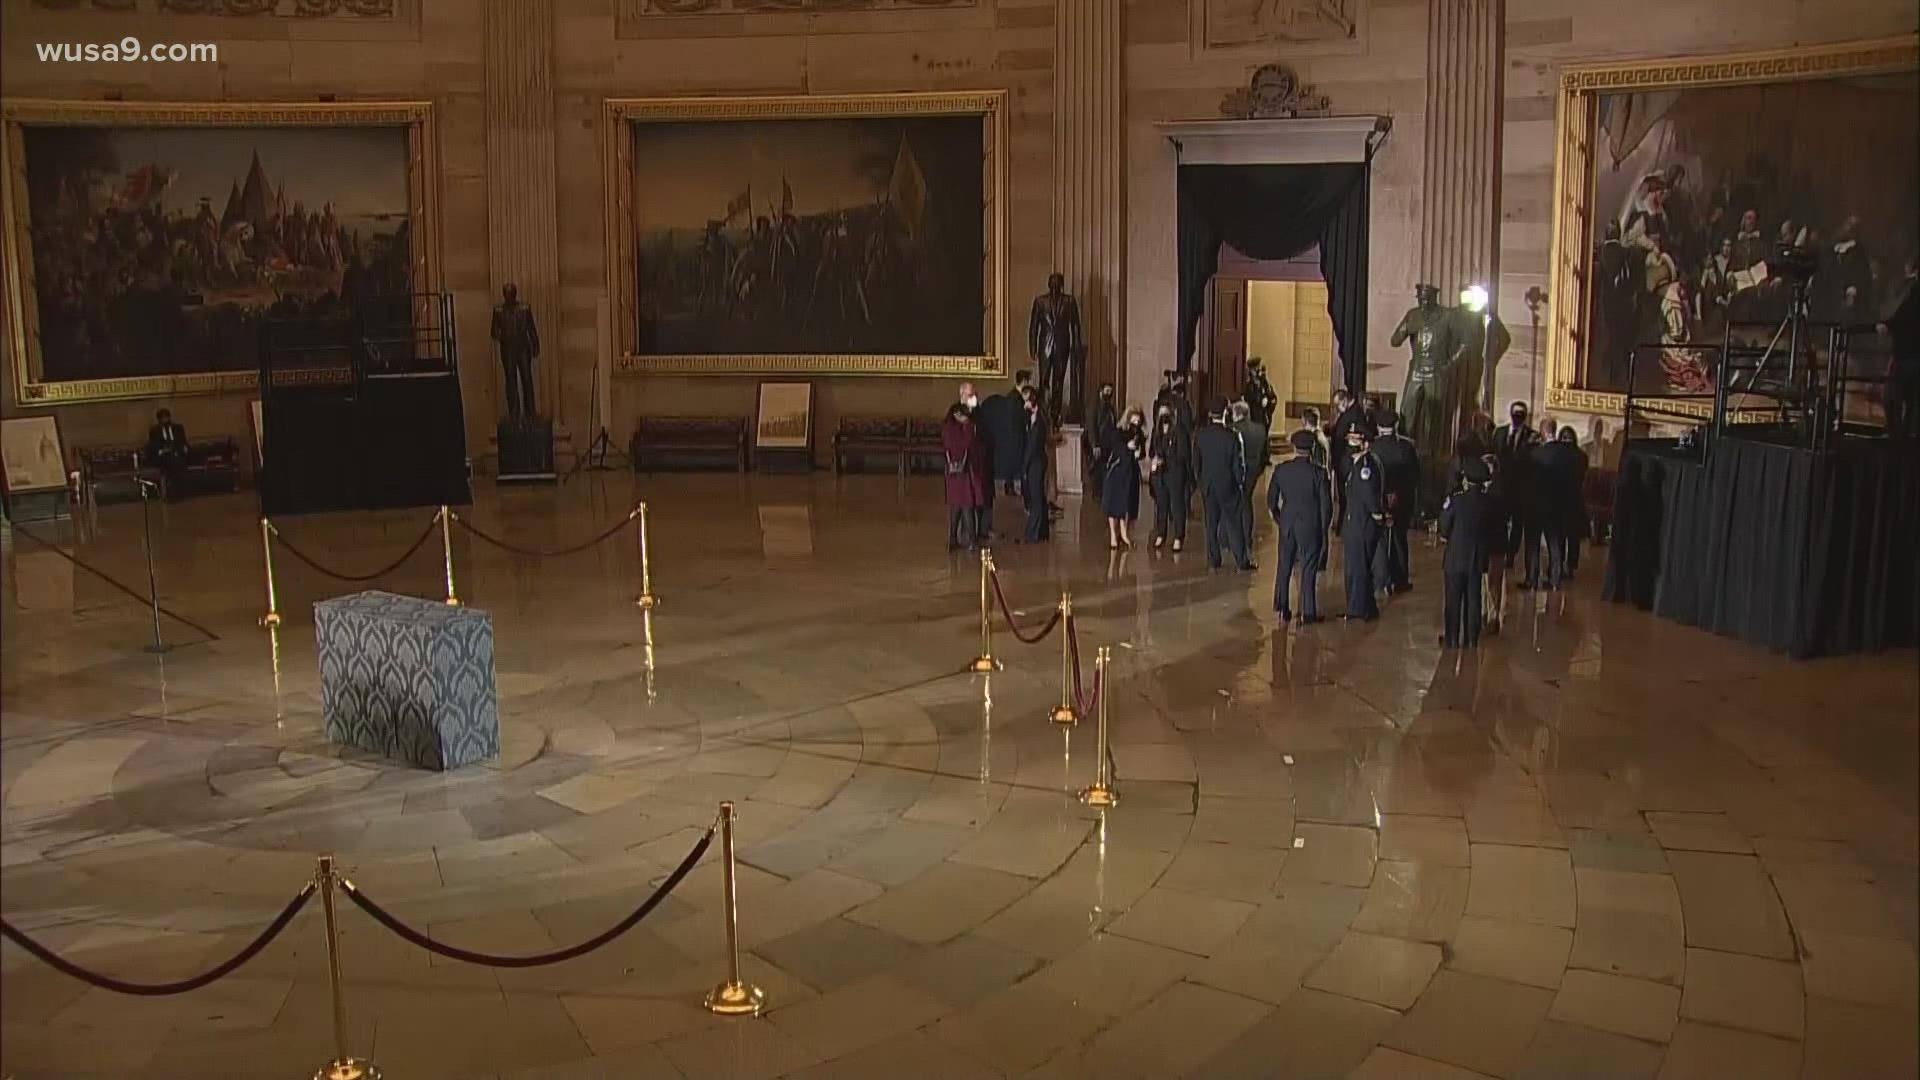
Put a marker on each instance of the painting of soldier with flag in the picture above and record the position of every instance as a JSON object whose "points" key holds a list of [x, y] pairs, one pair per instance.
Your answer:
{"points": [[861, 237], [154, 250]]}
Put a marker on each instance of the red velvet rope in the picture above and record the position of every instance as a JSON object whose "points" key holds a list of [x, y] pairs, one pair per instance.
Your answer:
{"points": [[1006, 611]]}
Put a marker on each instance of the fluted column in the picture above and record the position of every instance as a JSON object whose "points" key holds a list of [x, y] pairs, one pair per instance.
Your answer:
{"points": [[1466, 86], [522, 207], [1089, 170]]}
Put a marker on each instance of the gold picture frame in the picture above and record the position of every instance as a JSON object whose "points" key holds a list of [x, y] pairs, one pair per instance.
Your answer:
{"points": [[618, 114], [1576, 123], [22, 315]]}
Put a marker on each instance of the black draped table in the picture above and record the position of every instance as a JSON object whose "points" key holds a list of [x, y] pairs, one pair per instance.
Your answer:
{"points": [[1805, 553]]}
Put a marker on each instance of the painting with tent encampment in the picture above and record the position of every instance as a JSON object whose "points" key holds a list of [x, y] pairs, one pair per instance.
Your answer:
{"points": [[157, 251], [815, 236]]}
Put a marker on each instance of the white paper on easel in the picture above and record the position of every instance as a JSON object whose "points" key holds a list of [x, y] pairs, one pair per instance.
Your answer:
{"points": [[1751, 278]]}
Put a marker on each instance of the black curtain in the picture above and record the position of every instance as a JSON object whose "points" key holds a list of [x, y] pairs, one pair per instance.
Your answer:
{"points": [[1277, 212], [1804, 553]]}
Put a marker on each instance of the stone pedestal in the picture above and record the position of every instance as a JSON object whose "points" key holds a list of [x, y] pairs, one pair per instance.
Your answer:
{"points": [[407, 678], [526, 450], [1069, 460]]}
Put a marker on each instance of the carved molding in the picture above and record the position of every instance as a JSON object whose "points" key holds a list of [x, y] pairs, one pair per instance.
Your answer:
{"points": [[1274, 92], [300, 9], [673, 8]]}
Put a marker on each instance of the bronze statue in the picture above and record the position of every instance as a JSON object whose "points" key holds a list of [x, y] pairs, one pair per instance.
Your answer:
{"points": [[519, 339], [1430, 401], [1058, 346]]}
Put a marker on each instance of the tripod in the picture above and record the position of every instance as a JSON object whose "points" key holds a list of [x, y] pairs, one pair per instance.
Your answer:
{"points": [[594, 457]]}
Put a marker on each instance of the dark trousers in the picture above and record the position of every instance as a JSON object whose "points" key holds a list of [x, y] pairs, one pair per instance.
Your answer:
{"points": [[1463, 608], [519, 370], [983, 525], [1557, 542], [963, 526], [1303, 553], [1902, 398], [1170, 505], [1223, 523], [1531, 541], [1399, 558], [1360, 543], [1246, 512], [1033, 488]]}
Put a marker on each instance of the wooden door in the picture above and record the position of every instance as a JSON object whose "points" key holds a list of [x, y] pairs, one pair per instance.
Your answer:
{"points": [[1227, 321]]}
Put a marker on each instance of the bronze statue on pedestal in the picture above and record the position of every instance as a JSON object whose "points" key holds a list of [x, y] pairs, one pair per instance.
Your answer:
{"points": [[519, 338], [1059, 346], [1430, 400]]}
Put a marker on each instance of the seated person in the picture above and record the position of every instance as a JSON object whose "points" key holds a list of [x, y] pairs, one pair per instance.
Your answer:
{"points": [[166, 446]]}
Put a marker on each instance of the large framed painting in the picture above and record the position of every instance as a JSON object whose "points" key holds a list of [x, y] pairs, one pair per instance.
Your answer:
{"points": [[818, 235], [1690, 193], [145, 243]]}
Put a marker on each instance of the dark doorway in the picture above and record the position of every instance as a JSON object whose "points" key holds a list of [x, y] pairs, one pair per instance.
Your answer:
{"points": [[1275, 213]]}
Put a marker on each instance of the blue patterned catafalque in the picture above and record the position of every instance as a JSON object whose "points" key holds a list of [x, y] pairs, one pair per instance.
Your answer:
{"points": [[408, 678]]}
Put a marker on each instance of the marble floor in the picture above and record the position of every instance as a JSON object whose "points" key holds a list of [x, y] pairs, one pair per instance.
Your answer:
{"points": [[1603, 846]]}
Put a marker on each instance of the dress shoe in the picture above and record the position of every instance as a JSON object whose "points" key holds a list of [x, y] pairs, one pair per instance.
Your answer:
{"points": [[1285, 616], [1311, 620]]}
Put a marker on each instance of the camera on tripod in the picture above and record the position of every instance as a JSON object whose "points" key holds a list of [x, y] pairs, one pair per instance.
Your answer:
{"points": [[1794, 263]]}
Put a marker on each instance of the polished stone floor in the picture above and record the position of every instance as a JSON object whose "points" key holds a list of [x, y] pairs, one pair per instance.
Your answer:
{"points": [[1604, 846]]}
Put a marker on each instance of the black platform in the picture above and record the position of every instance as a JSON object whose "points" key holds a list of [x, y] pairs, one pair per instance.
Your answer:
{"points": [[1806, 552]]}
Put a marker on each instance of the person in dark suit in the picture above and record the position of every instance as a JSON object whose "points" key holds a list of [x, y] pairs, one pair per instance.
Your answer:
{"points": [[1100, 435], [1559, 471], [1348, 414], [1036, 444], [1901, 397], [1467, 524], [1300, 500], [1513, 446], [1365, 515], [1400, 483], [1254, 454], [1170, 476], [1222, 480], [1002, 422], [167, 448]]}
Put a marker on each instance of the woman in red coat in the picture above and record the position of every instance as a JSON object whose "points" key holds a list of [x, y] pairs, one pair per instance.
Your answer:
{"points": [[966, 469]]}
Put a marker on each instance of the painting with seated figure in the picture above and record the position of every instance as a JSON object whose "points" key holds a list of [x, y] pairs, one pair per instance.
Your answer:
{"points": [[160, 238], [858, 239], [1697, 198]]}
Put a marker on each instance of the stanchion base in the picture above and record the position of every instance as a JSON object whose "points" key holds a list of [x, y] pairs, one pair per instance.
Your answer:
{"points": [[348, 1069], [1064, 714], [271, 618], [453, 601], [983, 665], [736, 999], [646, 602], [1099, 796]]}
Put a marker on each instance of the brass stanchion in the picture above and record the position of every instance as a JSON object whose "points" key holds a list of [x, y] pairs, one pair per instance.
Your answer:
{"points": [[272, 617], [446, 552], [984, 662], [646, 632], [733, 997], [343, 1066], [1101, 793], [646, 600], [1065, 713]]}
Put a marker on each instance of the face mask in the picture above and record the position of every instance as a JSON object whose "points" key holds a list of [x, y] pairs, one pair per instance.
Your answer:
{"points": [[972, 401]]}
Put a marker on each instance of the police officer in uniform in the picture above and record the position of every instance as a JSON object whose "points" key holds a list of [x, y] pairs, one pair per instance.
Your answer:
{"points": [[1301, 502], [1366, 513], [1469, 523], [1223, 481], [1400, 481]]}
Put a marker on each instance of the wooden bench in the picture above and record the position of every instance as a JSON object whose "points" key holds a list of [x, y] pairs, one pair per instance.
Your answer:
{"points": [[110, 474], [708, 437], [113, 473], [908, 439]]}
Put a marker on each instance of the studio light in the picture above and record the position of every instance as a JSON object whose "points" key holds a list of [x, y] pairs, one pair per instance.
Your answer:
{"points": [[1474, 298]]}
